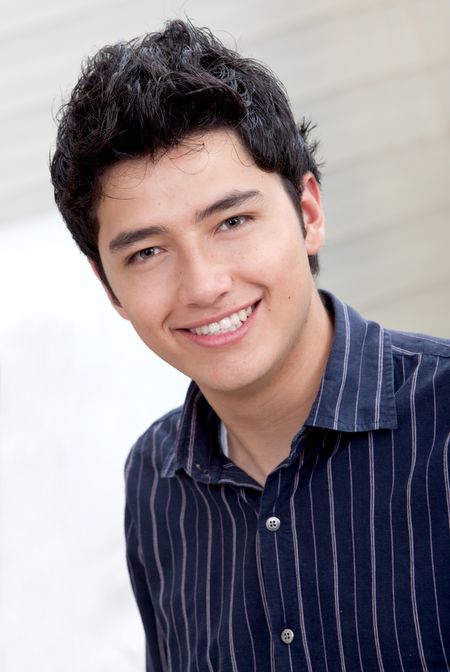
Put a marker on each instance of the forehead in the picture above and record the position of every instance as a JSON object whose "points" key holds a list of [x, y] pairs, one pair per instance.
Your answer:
{"points": [[196, 156]]}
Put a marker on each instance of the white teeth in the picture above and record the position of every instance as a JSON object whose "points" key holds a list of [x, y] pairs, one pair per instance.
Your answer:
{"points": [[214, 327], [226, 324]]}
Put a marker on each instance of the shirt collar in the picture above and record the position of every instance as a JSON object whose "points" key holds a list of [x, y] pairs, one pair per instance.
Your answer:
{"points": [[356, 394], [196, 449], [357, 389]]}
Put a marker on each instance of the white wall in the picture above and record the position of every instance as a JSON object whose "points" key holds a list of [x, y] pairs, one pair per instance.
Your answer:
{"points": [[77, 388]]}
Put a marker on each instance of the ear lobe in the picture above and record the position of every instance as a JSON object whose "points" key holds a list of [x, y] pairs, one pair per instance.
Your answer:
{"points": [[313, 215], [109, 293], [314, 240]]}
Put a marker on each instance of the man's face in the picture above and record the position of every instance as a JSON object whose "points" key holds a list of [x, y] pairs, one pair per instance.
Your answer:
{"points": [[205, 254]]}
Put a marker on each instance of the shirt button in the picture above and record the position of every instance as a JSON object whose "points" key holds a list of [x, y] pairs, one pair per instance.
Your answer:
{"points": [[287, 636], [273, 524]]}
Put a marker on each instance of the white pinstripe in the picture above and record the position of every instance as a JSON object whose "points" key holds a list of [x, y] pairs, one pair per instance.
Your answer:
{"points": [[409, 516], [264, 600], [373, 561], [359, 375], [379, 379], [208, 578], [183, 571], [172, 590], [335, 560], [244, 553], [233, 581], [352, 522], [433, 572], [297, 565], [345, 367], [446, 478], [155, 537], [316, 566], [391, 530]]}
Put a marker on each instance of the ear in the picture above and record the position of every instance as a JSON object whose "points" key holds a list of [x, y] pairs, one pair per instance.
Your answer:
{"points": [[313, 215], [109, 293]]}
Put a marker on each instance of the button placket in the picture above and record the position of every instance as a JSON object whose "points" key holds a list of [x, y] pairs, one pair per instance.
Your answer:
{"points": [[275, 548]]}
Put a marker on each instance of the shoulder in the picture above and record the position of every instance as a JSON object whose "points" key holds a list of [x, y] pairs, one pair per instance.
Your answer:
{"points": [[424, 357], [154, 447], [422, 375], [412, 344]]}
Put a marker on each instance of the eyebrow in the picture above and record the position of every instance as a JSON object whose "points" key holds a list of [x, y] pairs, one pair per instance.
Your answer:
{"points": [[127, 238], [233, 199]]}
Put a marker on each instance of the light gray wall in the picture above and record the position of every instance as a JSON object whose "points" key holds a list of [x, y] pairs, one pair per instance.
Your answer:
{"points": [[373, 74]]}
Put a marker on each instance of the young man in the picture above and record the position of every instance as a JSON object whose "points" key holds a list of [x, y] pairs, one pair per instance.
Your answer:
{"points": [[293, 514]]}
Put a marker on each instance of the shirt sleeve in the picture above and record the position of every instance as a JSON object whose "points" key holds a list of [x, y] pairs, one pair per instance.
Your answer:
{"points": [[156, 660]]}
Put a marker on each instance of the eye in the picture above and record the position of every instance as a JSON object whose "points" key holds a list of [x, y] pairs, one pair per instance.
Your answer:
{"points": [[144, 255], [233, 222]]}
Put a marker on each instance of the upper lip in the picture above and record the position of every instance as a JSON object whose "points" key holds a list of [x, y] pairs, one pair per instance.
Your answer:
{"points": [[217, 317]]}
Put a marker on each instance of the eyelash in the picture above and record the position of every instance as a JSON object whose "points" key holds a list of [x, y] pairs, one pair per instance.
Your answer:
{"points": [[136, 258], [242, 220]]}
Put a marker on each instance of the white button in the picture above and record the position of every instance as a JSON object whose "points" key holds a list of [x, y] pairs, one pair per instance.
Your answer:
{"points": [[287, 636], [273, 524]]}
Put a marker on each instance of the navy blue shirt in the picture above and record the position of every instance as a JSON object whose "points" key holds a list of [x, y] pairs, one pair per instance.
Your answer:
{"points": [[341, 561]]}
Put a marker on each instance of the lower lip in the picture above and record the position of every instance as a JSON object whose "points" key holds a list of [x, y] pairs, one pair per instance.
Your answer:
{"points": [[220, 340]]}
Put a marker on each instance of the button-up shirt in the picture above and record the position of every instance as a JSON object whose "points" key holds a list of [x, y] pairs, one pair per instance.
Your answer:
{"points": [[341, 561]]}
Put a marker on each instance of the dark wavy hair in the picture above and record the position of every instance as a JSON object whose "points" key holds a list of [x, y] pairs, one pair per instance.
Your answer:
{"points": [[144, 96]]}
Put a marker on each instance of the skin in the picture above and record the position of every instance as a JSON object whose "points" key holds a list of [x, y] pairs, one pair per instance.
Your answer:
{"points": [[197, 235]]}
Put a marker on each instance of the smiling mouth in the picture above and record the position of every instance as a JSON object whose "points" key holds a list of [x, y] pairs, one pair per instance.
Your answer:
{"points": [[225, 325]]}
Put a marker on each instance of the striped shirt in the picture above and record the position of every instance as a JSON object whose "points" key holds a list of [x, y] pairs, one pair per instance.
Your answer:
{"points": [[341, 561]]}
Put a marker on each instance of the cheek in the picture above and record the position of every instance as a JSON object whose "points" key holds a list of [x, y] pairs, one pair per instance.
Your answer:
{"points": [[279, 258], [145, 308], [145, 296], [153, 334]]}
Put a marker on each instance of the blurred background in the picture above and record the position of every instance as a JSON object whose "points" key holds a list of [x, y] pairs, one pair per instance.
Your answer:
{"points": [[76, 385]]}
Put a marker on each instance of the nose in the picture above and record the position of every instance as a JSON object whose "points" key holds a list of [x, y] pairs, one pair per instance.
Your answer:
{"points": [[203, 279]]}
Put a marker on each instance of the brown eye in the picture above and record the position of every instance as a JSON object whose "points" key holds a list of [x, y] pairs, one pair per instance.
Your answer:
{"points": [[148, 252], [233, 222], [144, 255]]}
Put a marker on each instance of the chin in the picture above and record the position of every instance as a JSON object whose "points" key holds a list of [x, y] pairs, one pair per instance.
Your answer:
{"points": [[232, 384]]}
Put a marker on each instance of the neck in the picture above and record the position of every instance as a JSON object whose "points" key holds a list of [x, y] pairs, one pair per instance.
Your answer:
{"points": [[262, 421]]}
